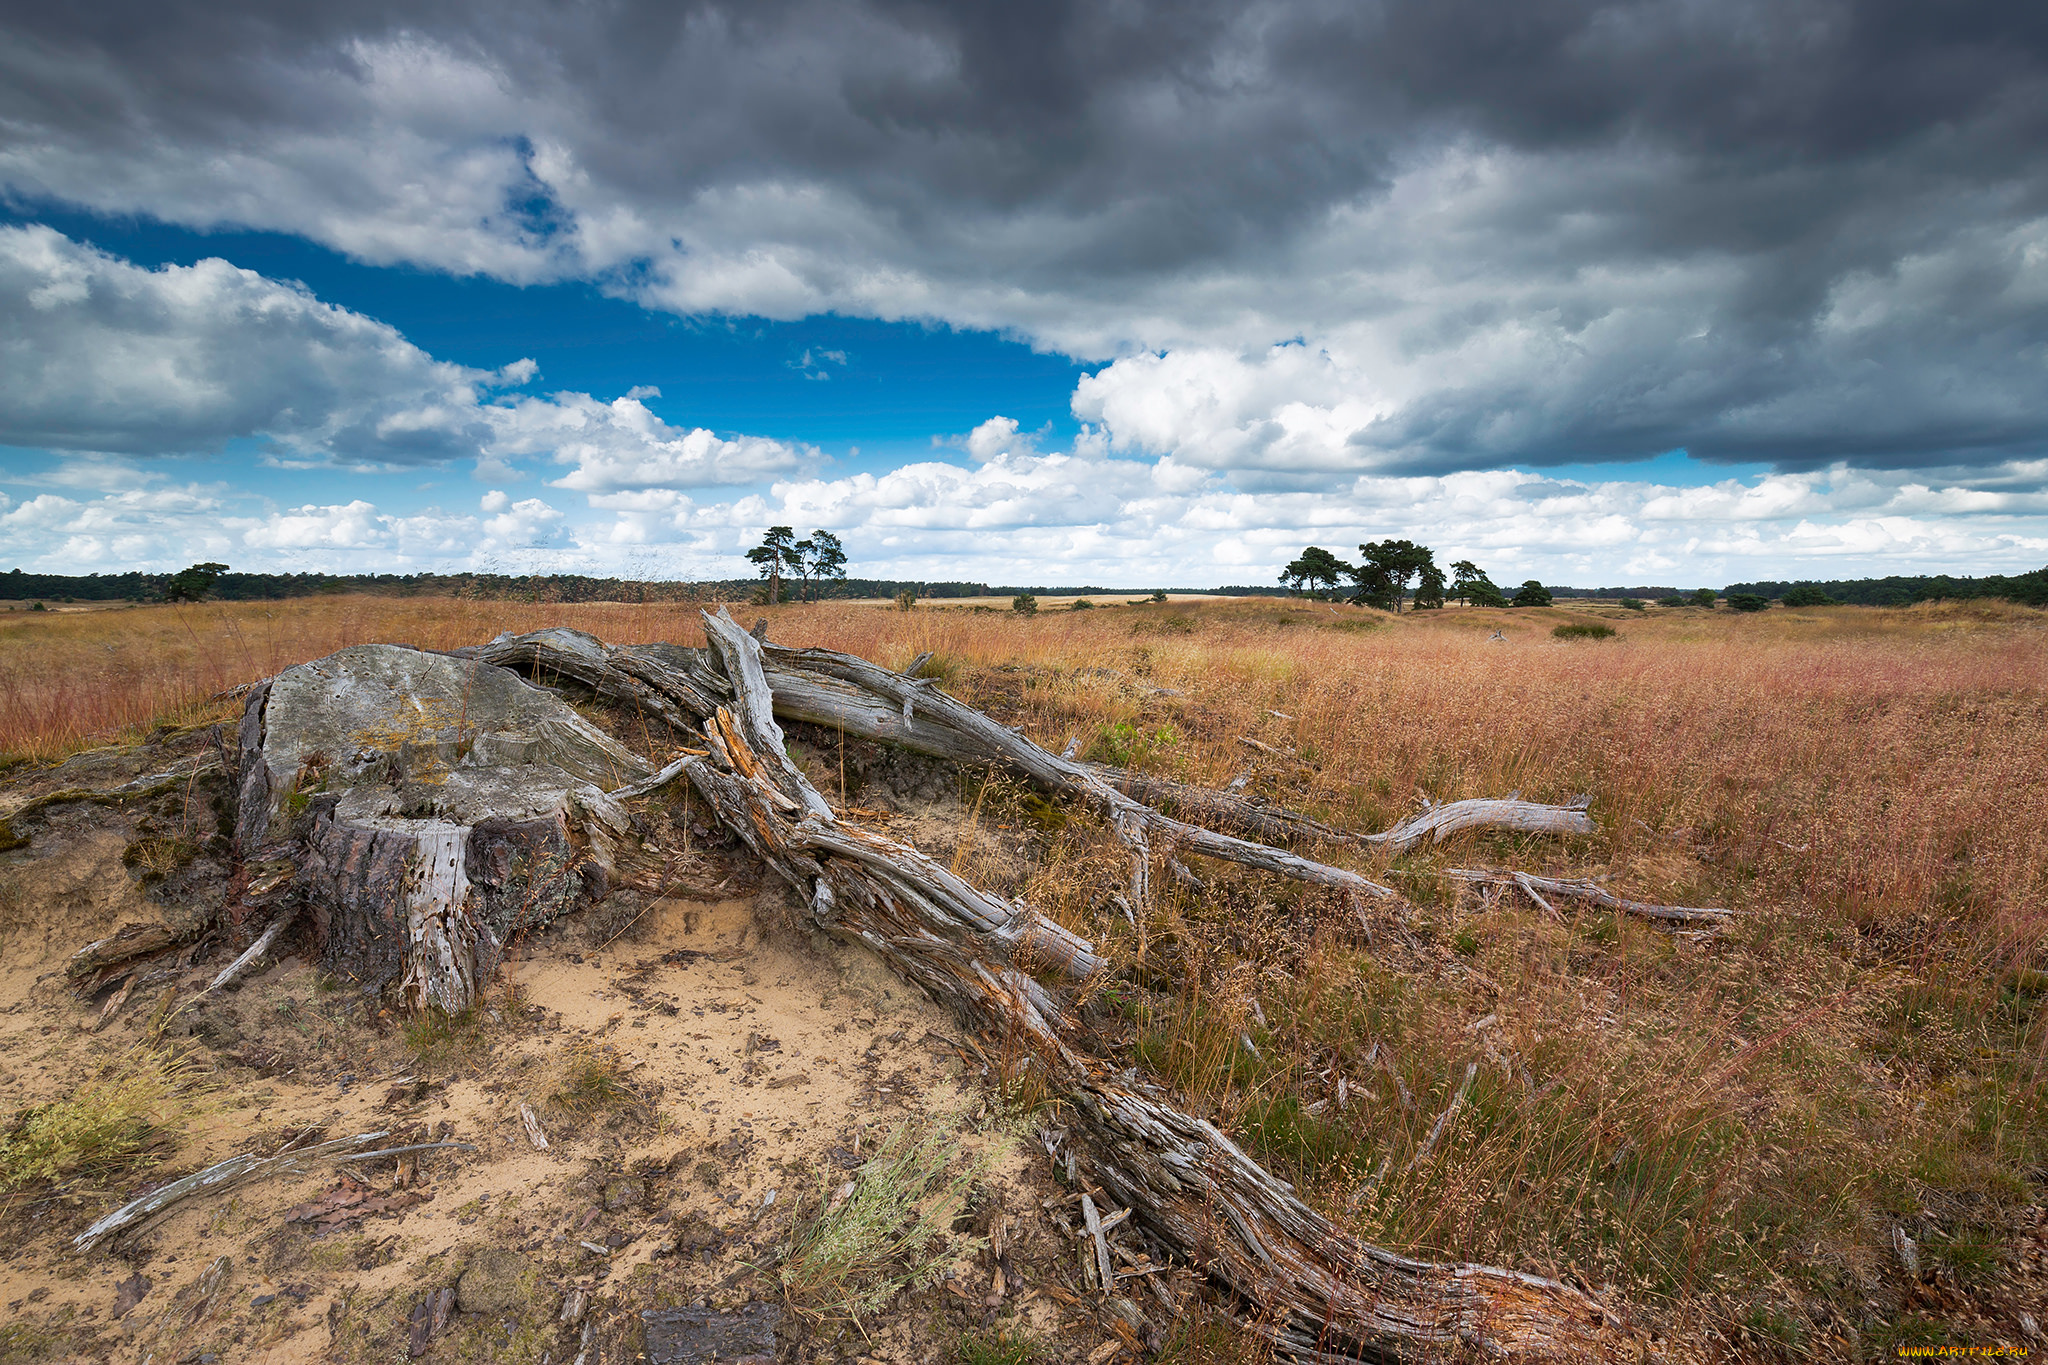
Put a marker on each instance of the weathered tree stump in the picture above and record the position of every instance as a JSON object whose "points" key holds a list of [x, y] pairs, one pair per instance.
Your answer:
{"points": [[430, 808]]}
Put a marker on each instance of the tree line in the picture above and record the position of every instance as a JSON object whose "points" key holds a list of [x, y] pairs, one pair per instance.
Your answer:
{"points": [[1386, 570], [1903, 590]]}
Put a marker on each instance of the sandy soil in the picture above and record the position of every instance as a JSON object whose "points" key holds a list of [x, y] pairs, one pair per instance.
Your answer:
{"points": [[699, 1073]]}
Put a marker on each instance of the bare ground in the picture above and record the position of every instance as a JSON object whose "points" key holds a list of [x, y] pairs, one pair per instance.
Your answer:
{"points": [[701, 1069]]}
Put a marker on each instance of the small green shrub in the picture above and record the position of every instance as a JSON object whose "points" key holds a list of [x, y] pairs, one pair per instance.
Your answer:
{"points": [[1807, 595], [1583, 630], [1125, 743], [1024, 604], [1674, 600], [1748, 601], [112, 1125], [1704, 597], [23, 1342], [593, 1078], [1163, 623], [1634, 604], [862, 1246], [1082, 604]]}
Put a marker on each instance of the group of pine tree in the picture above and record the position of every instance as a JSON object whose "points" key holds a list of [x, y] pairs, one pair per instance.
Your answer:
{"points": [[1387, 568], [819, 557]]}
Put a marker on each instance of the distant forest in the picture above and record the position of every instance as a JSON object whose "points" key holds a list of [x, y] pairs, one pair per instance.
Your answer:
{"points": [[1894, 591], [257, 587], [1898, 590], [1901, 590]]}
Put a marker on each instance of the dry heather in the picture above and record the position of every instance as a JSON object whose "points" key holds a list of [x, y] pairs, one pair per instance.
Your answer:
{"points": [[1731, 1133]]}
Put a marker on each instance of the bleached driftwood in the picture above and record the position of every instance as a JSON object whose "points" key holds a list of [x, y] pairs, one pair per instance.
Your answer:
{"points": [[1105, 1272], [1510, 814], [255, 951], [222, 1175], [240, 1170], [535, 1134], [1577, 889], [1227, 810], [845, 692], [1321, 1295]]}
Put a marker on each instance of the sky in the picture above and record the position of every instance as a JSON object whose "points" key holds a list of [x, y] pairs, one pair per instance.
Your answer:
{"points": [[1123, 293]]}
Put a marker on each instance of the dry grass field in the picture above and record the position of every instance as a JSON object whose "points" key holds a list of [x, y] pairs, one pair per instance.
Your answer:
{"points": [[1744, 1137]]}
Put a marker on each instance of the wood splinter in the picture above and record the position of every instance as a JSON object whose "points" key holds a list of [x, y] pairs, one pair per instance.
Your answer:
{"points": [[531, 1120]]}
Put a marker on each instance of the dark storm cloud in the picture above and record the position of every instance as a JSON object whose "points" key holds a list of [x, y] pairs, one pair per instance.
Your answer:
{"points": [[1796, 232]]}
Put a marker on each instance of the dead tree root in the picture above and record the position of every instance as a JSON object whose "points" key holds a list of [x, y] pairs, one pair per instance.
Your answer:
{"points": [[1323, 1294], [1319, 1293]]}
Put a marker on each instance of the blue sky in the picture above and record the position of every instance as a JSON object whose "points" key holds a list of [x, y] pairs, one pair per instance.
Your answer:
{"points": [[835, 382], [357, 293]]}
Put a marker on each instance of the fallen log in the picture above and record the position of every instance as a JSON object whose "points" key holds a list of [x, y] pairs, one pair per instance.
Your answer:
{"points": [[1593, 893], [847, 693], [1511, 814], [1322, 1294], [863, 699], [398, 782]]}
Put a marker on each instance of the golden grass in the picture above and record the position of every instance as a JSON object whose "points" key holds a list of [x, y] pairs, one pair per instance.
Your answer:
{"points": [[123, 1119], [1725, 1130]]}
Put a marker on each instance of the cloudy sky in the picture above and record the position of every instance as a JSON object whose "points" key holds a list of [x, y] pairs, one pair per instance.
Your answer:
{"points": [[1663, 292]]}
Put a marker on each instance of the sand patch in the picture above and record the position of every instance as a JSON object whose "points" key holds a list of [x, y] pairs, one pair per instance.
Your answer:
{"points": [[746, 1064]]}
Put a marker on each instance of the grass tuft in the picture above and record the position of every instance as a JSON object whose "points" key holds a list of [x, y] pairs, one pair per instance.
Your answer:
{"points": [[999, 1346], [860, 1247], [593, 1079], [441, 1041], [122, 1121]]}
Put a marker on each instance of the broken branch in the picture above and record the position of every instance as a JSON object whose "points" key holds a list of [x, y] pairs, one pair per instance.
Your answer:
{"points": [[236, 1170], [1515, 816], [255, 951], [1592, 893]]}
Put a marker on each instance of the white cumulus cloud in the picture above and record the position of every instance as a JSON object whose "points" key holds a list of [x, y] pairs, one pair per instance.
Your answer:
{"points": [[98, 354]]}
